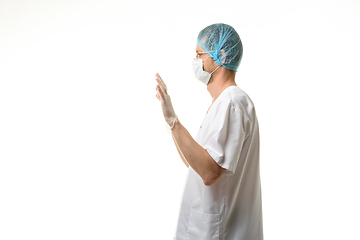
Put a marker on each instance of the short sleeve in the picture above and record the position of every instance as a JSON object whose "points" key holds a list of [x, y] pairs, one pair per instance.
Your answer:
{"points": [[225, 136]]}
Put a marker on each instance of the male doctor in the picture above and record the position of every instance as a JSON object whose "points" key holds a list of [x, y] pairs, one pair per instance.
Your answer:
{"points": [[222, 196]]}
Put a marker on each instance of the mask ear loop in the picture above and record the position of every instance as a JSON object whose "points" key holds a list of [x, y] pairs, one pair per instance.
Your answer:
{"points": [[205, 59], [215, 69]]}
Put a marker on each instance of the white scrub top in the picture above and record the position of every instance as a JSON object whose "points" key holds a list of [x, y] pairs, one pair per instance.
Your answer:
{"points": [[231, 208]]}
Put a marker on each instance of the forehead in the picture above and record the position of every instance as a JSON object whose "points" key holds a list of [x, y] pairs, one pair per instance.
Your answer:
{"points": [[199, 49]]}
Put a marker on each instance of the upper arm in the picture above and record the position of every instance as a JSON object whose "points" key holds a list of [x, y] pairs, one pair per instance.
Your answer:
{"points": [[225, 138]]}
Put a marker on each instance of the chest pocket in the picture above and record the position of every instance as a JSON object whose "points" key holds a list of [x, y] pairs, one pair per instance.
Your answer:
{"points": [[203, 226]]}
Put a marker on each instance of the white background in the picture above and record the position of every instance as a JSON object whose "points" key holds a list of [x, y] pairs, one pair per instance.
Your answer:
{"points": [[84, 153]]}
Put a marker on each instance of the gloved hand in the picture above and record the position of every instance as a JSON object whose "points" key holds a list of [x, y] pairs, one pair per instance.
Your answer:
{"points": [[164, 98]]}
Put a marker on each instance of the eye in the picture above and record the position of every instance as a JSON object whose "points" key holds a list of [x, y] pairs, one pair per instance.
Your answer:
{"points": [[199, 54]]}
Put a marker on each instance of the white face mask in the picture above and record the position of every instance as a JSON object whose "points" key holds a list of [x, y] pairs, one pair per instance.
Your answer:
{"points": [[200, 74]]}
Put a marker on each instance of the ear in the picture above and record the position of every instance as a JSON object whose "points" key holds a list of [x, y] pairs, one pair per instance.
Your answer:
{"points": [[222, 53]]}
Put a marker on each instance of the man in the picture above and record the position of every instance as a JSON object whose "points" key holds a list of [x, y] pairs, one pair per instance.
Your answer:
{"points": [[222, 196]]}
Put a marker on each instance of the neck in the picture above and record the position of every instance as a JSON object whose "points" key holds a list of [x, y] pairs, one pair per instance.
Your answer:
{"points": [[220, 80]]}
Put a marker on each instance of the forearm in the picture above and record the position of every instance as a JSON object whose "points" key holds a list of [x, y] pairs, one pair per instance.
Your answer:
{"points": [[196, 156], [180, 153], [189, 150]]}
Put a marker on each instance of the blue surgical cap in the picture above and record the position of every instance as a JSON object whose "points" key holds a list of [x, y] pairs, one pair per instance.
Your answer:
{"points": [[221, 41]]}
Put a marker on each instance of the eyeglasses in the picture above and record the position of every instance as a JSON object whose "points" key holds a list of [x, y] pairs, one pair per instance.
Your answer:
{"points": [[199, 54]]}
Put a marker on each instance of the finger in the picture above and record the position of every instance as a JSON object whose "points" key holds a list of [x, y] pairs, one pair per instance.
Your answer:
{"points": [[165, 88], [159, 80], [161, 83], [161, 94], [160, 91], [157, 94]]}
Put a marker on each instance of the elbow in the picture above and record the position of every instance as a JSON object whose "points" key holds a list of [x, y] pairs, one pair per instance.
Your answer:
{"points": [[208, 184], [211, 180], [213, 177]]}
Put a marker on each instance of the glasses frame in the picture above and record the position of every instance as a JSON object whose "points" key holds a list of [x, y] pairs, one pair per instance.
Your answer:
{"points": [[198, 55]]}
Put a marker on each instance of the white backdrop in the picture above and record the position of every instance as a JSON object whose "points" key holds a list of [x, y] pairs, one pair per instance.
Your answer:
{"points": [[84, 152]]}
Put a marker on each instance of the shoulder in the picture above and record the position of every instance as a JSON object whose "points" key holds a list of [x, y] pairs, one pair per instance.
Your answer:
{"points": [[237, 99]]}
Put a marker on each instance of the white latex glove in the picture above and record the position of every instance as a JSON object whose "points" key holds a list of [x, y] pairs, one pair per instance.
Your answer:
{"points": [[164, 98]]}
